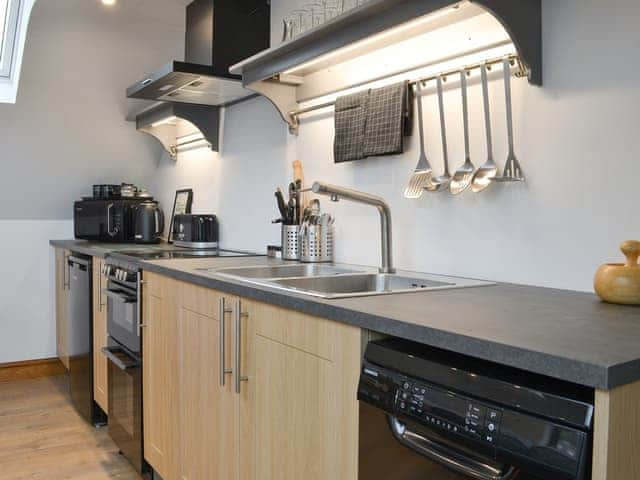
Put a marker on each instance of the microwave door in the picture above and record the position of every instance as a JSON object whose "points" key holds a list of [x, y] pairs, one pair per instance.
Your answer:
{"points": [[94, 219]]}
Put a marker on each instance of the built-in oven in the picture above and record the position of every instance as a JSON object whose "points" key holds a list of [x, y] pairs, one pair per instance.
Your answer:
{"points": [[425, 413], [124, 352]]}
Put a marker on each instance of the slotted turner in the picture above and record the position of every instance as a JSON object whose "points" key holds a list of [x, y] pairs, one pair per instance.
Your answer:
{"points": [[421, 176], [512, 171]]}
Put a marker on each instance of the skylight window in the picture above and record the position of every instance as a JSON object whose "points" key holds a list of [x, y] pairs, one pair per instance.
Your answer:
{"points": [[9, 15]]}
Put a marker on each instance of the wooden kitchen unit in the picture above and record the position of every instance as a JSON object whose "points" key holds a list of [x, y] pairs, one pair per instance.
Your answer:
{"points": [[287, 408], [293, 412]]}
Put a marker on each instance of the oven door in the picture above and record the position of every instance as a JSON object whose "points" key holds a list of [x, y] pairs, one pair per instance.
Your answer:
{"points": [[125, 403], [122, 316], [392, 450]]}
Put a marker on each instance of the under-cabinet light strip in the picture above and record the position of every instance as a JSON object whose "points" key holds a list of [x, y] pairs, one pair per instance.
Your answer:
{"points": [[514, 59]]}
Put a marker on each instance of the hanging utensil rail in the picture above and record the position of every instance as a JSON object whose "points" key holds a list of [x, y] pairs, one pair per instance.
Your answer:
{"points": [[513, 60]]}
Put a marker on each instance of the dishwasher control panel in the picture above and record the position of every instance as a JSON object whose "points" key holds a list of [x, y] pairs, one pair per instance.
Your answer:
{"points": [[449, 412]]}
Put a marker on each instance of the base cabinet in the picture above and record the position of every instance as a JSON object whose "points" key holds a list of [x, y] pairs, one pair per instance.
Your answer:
{"points": [[236, 389], [62, 304], [299, 412]]}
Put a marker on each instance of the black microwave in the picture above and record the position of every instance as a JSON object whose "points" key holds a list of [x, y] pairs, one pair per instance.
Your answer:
{"points": [[105, 220]]}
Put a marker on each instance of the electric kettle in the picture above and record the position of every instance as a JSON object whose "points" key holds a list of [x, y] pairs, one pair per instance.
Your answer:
{"points": [[149, 222]]}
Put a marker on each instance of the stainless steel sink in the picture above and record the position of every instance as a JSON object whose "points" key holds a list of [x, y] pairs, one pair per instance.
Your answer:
{"points": [[284, 271], [344, 286], [330, 281]]}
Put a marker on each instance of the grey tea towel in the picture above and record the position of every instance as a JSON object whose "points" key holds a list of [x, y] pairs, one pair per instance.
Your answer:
{"points": [[386, 119], [350, 124], [372, 122]]}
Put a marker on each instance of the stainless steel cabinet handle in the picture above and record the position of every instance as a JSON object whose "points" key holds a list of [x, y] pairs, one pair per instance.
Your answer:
{"points": [[238, 340], [66, 272], [446, 456], [139, 302], [222, 311]]}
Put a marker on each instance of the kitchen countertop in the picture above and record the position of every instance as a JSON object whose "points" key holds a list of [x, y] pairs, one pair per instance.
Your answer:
{"points": [[102, 250], [567, 335]]}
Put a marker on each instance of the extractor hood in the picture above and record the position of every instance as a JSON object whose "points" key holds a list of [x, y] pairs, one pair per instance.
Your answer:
{"points": [[181, 127], [218, 34]]}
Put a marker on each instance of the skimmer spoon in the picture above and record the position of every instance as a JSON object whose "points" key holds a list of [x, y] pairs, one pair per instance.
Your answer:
{"points": [[512, 171], [463, 175], [421, 177], [441, 182], [487, 171]]}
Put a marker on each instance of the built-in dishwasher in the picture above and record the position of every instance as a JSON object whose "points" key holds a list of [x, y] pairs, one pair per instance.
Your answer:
{"points": [[430, 414]]}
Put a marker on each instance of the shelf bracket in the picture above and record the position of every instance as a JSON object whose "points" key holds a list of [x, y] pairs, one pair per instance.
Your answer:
{"points": [[283, 97]]}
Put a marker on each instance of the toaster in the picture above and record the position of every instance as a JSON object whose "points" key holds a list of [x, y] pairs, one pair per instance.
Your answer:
{"points": [[195, 231]]}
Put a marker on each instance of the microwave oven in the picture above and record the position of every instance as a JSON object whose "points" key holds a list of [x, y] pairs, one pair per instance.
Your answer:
{"points": [[111, 221]]}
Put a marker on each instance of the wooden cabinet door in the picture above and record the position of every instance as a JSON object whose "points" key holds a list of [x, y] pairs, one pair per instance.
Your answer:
{"points": [[62, 304], [299, 412], [100, 363], [160, 381], [208, 410]]}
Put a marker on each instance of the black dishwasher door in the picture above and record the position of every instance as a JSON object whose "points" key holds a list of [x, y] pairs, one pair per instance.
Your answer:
{"points": [[383, 457]]}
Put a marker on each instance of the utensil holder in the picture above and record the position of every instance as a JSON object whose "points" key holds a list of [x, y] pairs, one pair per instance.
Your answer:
{"points": [[291, 242], [316, 243]]}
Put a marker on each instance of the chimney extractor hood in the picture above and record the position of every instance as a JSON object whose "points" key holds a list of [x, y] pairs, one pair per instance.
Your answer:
{"points": [[181, 127], [219, 33]]}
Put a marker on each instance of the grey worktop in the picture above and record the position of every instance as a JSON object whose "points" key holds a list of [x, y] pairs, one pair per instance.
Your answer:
{"points": [[562, 334], [102, 250]]}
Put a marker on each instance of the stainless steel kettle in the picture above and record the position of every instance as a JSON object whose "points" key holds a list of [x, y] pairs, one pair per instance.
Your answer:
{"points": [[149, 222]]}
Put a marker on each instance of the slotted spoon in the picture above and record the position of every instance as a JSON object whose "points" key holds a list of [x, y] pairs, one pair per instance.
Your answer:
{"points": [[421, 176], [512, 170], [487, 171], [441, 182], [463, 175]]}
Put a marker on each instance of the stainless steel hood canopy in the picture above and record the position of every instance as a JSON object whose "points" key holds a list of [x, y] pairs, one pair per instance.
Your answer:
{"points": [[181, 127], [218, 34]]}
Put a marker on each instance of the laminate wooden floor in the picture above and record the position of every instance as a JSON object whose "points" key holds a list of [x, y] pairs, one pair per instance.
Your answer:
{"points": [[42, 437]]}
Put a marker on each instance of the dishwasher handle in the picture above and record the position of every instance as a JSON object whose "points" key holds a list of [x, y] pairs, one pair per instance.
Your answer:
{"points": [[446, 456]]}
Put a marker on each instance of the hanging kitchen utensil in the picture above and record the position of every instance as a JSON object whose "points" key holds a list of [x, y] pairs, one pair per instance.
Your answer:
{"points": [[620, 283], [441, 182], [512, 171], [463, 175], [487, 171], [421, 177]]}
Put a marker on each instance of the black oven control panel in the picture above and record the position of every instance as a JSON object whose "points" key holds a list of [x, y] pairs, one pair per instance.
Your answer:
{"points": [[448, 412]]}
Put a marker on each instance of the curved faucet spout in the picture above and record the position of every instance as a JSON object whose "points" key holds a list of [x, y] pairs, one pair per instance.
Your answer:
{"points": [[336, 193]]}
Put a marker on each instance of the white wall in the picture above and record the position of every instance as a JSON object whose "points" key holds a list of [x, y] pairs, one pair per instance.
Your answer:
{"points": [[576, 138], [66, 132]]}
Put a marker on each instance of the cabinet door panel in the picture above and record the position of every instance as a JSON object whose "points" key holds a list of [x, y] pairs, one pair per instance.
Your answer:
{"points": [[200, 406], [292, 414], [310, 334], [298, 410], [100, 363], [160, 378], [62, 305]]}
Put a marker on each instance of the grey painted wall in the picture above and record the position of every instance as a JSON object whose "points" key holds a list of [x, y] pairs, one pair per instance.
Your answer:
{"points": [[66, 132], [576, 138], [67, 129]]}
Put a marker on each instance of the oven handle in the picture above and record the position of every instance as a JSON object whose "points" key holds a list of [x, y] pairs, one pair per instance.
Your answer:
{"points": [[446, 456], [109, 232], [109, 352], [119, 296]]}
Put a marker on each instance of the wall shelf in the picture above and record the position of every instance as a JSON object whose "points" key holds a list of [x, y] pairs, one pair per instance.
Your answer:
{"points": [[387, 40]]}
